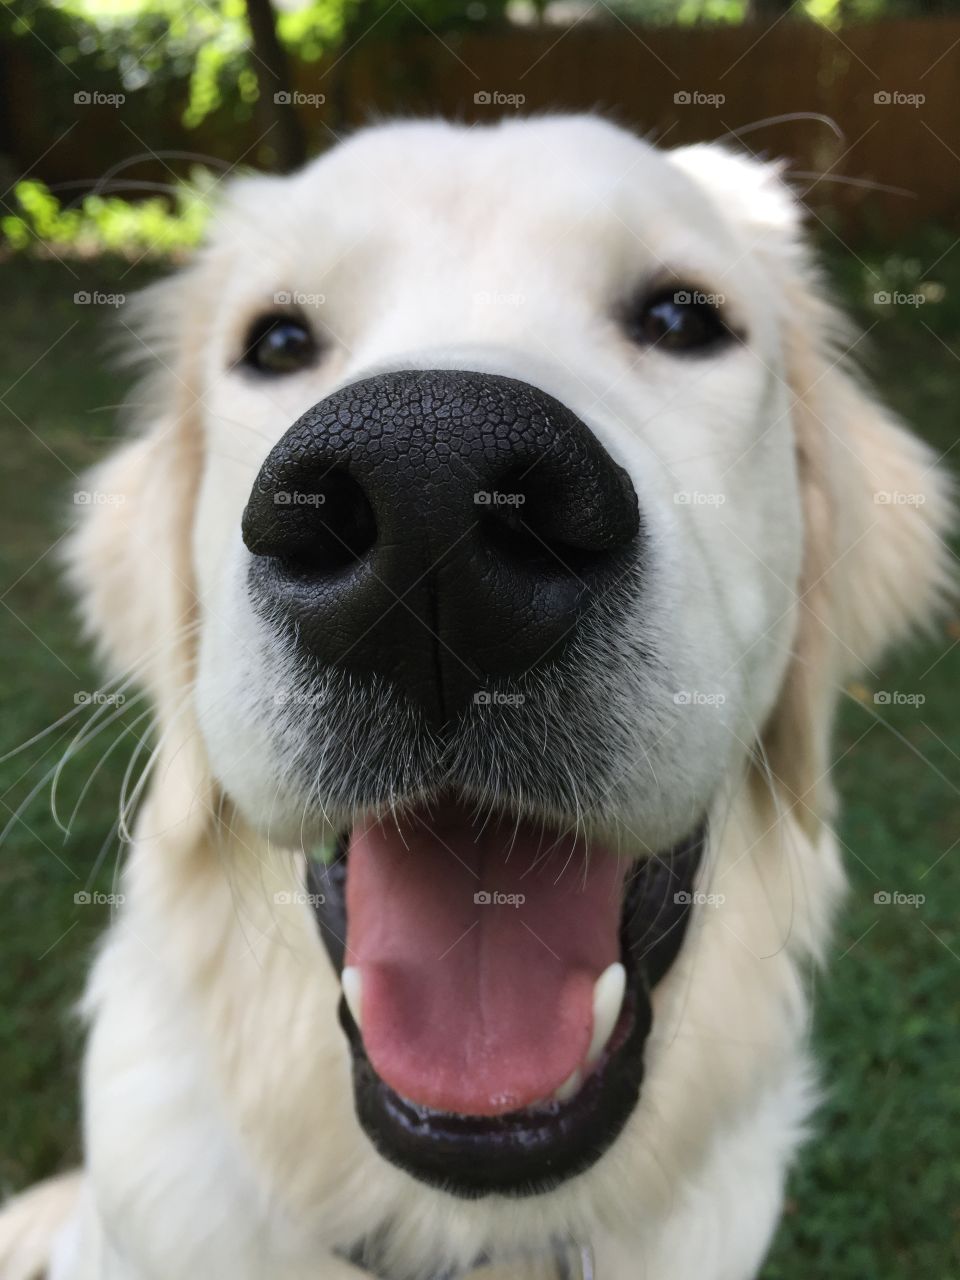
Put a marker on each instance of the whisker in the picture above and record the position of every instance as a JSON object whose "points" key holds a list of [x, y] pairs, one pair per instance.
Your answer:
{"points": [[85, 734], [131, 728], [82, 738], [788, 117], [842, 179]]}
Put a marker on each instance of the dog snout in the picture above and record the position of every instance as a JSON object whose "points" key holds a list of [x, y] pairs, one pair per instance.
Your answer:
{"points": [[444, 531]]}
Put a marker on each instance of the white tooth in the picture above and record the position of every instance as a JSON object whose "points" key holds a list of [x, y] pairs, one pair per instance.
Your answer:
{"points": [[607, 1001], [570, 1086], [352, 982]]}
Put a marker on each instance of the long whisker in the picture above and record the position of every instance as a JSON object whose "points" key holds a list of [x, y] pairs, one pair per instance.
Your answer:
{"points": [[788, 117], [86, 733], [130, 728], [842, 179], [97, 705], [83, 737], [67, 716]]}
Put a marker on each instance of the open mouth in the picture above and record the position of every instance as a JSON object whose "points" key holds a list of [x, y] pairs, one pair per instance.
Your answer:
{"points": [[496, 978]]}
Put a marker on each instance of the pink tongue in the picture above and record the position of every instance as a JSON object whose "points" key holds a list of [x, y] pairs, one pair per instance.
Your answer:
{"points": [[479, 949]]}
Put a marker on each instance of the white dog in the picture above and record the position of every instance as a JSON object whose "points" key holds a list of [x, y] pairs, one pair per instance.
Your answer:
{"points": [[503, 529]]}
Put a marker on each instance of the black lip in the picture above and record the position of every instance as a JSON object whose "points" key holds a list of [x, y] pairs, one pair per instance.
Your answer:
{"points": [[531, 1151]]}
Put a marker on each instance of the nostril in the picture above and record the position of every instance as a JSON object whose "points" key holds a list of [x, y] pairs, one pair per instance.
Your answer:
{"points": [[552, 519], [509, 531], [339, 530], [316, 530]]}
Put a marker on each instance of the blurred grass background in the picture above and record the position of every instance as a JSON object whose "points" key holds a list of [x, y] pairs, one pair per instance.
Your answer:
{"points": [[877, 1192]]}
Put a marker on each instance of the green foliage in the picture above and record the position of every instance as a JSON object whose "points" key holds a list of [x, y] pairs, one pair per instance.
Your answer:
{"points": [[137, 45], [680, 12], [165, 48], [155, 228], [313, 29], [200, 53]]}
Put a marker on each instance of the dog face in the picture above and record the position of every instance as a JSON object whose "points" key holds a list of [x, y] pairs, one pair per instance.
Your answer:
{"points": [[551, 288], [507, 504]]}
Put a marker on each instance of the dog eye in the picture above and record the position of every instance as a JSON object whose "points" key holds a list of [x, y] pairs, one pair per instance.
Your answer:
{"points": [[678, 319], [278, 344]]}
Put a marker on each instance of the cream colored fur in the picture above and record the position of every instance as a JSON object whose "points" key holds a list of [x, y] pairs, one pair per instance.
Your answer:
{"points": [[219, 1132]]}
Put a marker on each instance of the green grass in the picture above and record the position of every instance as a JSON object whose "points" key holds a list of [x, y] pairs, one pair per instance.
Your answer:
{"points": [[53, 360], [877, 1192]]}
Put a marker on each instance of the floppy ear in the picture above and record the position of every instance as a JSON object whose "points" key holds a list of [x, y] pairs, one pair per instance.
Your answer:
{"points": [[129, 560], [877, 507], [877, 510]]}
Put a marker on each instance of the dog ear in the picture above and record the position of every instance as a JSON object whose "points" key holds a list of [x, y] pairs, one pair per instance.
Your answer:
{"points": [[877, 506], [878, 509], [129, 560]]}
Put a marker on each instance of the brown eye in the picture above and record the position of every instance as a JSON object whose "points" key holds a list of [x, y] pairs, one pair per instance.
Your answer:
{"points": [[278, 344], [678, 319]]}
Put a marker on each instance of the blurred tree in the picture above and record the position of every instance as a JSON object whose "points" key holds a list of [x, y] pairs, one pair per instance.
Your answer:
{"points": [[769, 10], [277, 108]]}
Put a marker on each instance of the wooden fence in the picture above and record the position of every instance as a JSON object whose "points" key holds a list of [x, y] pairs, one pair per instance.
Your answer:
{"points": [[891, 89]]}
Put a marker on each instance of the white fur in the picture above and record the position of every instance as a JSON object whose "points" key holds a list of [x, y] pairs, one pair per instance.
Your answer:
{"points": [[220, 1137]]}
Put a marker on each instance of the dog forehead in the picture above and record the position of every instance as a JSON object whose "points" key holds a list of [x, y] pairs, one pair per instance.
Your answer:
{"points": [[572, 152], [556, 181]]}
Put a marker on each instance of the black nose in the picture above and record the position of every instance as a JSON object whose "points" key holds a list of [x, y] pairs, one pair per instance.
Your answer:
{"points": [[444, 531]]}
